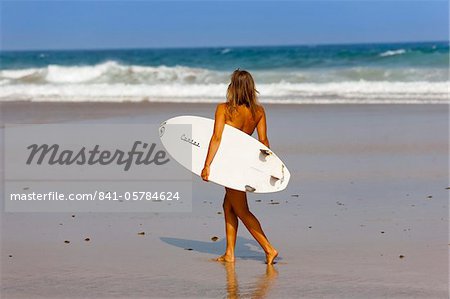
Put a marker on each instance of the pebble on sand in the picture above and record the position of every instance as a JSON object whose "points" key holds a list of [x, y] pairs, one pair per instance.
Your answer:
{"points": [[258, 200], [87, 239], [429, 197], [10, 255], [73, 216], [219, 212], [67, 241], [141, 233], [214, 239], [401, 256], [382, 232]]}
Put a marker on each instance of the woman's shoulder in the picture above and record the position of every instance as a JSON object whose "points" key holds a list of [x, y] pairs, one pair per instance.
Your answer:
{"points": [[221, 107], [260, 108], [260, 111], [221, 110]]}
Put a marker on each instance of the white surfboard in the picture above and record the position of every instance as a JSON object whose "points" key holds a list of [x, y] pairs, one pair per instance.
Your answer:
{"points": [[241, 162]]}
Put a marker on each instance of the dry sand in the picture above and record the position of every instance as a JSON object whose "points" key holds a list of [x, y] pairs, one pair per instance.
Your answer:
{"points": [[358, 200]]}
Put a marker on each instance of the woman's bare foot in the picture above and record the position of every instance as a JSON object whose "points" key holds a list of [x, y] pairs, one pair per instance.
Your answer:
{"points": [[271, 255], [226, 258]]}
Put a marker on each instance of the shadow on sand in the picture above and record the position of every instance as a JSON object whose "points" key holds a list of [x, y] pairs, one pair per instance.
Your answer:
{"points": [[246, 249]]}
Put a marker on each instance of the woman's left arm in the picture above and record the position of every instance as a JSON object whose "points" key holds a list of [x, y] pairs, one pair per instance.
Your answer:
{"points": [[219, 124]]}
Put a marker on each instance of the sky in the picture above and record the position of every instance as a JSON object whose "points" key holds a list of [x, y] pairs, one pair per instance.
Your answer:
{"points": [[33, 25]]}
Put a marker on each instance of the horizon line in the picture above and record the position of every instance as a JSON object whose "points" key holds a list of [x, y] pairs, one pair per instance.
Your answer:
{"points": [[225, 46]]}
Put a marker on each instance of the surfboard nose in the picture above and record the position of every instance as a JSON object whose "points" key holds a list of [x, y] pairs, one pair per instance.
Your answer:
{"points": [[162, 128]]}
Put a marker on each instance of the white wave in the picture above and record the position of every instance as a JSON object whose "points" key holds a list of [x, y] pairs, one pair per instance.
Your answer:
{"points": [[17, 74], [76, 74], [112, 72], [393, 52], [112, 81], [352, 91], [225, 51]]}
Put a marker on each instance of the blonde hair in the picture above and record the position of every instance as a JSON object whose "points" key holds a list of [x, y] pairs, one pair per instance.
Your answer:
{"points": [[242, 91]]}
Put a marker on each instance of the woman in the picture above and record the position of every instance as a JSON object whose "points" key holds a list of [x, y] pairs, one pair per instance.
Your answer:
{"points": [[242, 111]]}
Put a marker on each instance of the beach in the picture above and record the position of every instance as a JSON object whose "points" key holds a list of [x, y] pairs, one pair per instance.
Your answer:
{"points": [[365, 214]]}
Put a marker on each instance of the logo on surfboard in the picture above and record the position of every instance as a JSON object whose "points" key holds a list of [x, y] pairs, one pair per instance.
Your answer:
{"points": [[189, 140]]}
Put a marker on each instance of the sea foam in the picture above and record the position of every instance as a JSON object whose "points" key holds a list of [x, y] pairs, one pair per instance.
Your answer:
{"points": [[363, 91], [114, 81], [393, 52]]}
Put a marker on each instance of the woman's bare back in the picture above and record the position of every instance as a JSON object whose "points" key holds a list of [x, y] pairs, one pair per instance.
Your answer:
{"points": [[243, 120]]}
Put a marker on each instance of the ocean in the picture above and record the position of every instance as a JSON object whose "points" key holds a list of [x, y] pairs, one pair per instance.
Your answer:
{"points": [[351, 73]]}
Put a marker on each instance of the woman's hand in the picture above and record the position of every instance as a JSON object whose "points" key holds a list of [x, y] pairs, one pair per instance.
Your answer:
{"points": [[205, 173]]}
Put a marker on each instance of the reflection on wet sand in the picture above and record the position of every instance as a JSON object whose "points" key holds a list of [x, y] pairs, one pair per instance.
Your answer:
{"points": [[259, 289]]}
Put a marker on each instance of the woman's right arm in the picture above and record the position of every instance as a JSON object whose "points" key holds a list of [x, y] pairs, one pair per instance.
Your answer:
{"points": [[262, 129], [219, 124]]}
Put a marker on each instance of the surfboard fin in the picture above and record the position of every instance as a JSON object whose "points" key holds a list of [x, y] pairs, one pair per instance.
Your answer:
{"points": [[265, 152], [249, 188], [279, 175]]}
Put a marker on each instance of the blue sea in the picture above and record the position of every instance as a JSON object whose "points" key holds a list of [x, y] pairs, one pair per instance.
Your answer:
{"points": [[351, 73]]}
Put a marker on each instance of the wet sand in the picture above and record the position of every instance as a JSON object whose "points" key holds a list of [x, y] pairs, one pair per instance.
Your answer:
{"points": [[356, 221]]}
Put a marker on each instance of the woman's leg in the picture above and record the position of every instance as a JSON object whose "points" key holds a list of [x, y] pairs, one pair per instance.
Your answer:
{"points": [[238, 201], [231, 227]]}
